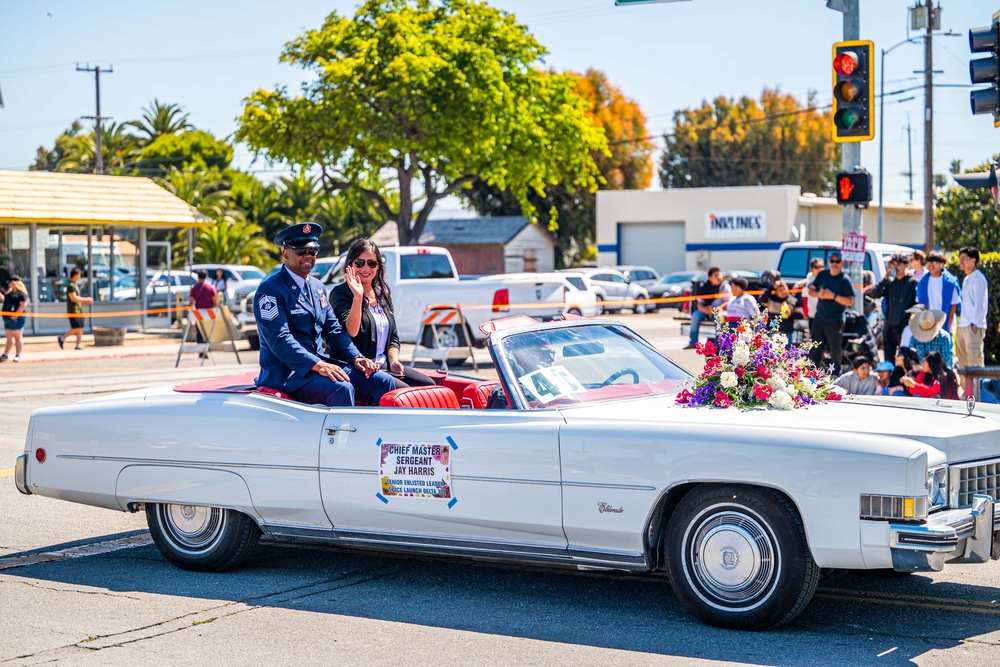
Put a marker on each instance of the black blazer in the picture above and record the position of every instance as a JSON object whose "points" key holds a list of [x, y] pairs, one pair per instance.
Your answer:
{"points": [[341, 300]]}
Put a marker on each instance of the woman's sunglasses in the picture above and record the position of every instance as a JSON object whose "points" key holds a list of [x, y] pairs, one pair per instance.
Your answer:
{"points": [[305, 251], [359, 263]]}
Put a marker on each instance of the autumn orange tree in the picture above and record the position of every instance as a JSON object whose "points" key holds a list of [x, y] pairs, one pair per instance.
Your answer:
{"points": [[626, 165], [771, 141]]}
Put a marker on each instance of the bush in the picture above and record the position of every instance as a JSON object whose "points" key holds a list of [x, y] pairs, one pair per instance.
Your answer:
{"points": [[989, 264]]}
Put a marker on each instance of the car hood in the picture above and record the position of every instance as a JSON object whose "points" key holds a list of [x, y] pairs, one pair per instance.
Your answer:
{"points": [[943, 425]]}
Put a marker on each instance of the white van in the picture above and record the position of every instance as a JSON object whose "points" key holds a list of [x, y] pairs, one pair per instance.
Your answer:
{"points": [[794, 257]]}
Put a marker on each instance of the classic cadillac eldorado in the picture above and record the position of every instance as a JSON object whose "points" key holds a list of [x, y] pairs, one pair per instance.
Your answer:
{"points": [[580, 458]]}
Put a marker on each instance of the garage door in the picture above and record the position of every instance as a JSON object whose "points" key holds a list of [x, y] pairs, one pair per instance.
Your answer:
{"points": [[656, 244]]}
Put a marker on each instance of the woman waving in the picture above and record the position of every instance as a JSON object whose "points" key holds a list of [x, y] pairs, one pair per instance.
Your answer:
{"points": [[363, 305]]}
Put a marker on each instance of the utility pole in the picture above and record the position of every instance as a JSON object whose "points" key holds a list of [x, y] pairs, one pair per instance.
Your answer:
{"points": [[851, 152], [909, 155], [99, 165], [928, 134]]}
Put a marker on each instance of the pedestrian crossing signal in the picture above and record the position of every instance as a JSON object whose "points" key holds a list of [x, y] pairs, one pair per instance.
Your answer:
{"points": [[854, 187]]}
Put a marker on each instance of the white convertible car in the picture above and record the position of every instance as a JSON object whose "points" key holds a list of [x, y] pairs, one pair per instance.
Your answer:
{"points": [[589, 463]]}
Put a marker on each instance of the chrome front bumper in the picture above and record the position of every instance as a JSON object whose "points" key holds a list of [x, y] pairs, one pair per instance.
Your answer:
{"points": [[21, 475], [967, 535]]}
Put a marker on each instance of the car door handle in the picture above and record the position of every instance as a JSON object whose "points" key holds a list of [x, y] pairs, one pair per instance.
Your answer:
{"points": [[334, 431]]}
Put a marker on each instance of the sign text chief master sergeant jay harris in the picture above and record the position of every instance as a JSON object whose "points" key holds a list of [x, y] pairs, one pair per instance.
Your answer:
{"points": [[295, 321]]}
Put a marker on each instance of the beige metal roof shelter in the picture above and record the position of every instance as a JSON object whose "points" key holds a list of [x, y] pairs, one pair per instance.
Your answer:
{"points": [[37, 208], [87, 199]]}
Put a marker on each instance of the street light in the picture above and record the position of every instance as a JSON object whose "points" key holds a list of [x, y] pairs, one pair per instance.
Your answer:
{"points": [[881, 134]]}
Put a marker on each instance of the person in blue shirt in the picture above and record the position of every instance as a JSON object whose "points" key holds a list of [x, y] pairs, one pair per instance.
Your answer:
{"points": [[304, 352], [938, 289]]}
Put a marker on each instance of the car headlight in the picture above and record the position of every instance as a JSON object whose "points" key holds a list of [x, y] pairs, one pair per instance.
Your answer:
{"points": [[937, 487], [878, 507]]}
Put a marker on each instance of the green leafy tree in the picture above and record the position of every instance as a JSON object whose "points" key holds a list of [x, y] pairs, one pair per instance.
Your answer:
{"points": [[161, 120], [76, 151], [435, 95], [964, 217], [771, 141], [206, 191], [233, 240], [627, 165], [193, 150]]}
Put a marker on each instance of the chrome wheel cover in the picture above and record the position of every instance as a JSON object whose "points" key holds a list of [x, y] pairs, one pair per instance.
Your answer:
{"points": [[731, 558], [192, 529]]}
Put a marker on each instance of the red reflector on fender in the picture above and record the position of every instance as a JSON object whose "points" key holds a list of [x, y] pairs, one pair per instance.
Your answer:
{"points": [[40, 455]]}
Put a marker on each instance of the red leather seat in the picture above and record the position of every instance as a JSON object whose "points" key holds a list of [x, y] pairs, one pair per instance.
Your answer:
{"points": [[420, 397], [477, 394], [268, 391]]}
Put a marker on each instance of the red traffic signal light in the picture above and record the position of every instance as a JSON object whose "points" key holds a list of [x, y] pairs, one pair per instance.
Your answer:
{"points": [[853, 91], [854, 187]]}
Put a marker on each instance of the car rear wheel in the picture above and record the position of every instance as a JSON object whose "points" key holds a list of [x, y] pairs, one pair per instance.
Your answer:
{"points": [[738, 557], [205, 539]]}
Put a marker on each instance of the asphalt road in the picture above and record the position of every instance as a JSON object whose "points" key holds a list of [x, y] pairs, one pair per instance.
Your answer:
{"points": [[84, 586]]}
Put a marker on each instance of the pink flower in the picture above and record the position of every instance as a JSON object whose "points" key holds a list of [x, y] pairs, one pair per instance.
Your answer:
{"points": [[707, 349], [762, 392], [833, 396], [722, 399], [763, 372], [740, 371], [684, 397]]}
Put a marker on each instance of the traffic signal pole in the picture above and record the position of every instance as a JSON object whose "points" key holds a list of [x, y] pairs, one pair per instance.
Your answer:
{"points": [[851, 154]]}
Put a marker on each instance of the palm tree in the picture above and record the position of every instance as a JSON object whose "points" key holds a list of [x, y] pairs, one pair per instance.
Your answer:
{"points": [[119, 147], [160, 119], [300, 197], [233, 240], [206, 191]]}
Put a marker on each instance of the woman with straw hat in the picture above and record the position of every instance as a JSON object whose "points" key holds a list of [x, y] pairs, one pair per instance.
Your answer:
{"points": [[926, 328]]}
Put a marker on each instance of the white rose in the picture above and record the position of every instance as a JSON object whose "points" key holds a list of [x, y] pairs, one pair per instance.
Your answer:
{"points": [[780, 400], [836, 389], [728, 379], [777, 383], [741, 355]]}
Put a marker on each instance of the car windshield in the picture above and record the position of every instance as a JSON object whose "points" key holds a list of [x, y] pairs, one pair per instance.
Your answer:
{"points": [[252, 274], [589, 363]]}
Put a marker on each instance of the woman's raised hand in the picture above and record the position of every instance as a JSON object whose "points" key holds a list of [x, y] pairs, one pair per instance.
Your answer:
{"points": [[353, 281]]}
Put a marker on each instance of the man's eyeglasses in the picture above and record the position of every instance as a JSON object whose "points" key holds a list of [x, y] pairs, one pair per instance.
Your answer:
{"points": [[305, 251], [834, 260], [359, 263]]}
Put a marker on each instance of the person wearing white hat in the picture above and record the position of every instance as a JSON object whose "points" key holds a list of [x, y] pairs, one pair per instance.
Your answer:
{"points": [[926, 328]]}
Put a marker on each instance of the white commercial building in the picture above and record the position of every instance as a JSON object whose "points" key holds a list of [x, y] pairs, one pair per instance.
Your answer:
{"points": [[734, 228]]}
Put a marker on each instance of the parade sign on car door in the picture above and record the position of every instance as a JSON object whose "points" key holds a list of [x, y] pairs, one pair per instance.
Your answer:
{"points": [[415, 471]]}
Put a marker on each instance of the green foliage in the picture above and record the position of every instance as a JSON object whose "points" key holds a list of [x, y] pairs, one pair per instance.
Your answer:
{"points": [[989, 264], [626, 165], [193, 150], [435, 95], [160, 120], [233, 240], [774, 141], [76, 151], [964, 217]]}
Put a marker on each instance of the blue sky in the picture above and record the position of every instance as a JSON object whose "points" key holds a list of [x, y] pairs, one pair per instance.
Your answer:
{"points": [[207, 56]]}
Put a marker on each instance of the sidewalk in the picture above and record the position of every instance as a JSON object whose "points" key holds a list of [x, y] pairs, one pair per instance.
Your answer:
{"points": [[46, 348]]}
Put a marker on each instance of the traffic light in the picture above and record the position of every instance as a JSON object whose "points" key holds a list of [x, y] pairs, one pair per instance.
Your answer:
{"points": [[854, 187], [853, 92], [982, 179], [986, 70]]}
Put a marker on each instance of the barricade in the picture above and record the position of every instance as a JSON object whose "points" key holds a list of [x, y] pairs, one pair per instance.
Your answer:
{"points": [[214, 326], [441, 330]]}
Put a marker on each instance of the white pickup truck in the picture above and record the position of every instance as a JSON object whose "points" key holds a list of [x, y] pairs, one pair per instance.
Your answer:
{"points": [[424, 276]]}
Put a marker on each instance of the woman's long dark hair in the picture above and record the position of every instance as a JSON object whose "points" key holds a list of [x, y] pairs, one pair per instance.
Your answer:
{"points": [[941, 374], [382, 294]]}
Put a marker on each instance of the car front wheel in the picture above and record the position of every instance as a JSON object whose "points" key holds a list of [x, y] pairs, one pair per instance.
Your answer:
{"points": [[738, 557], [205, 539]]}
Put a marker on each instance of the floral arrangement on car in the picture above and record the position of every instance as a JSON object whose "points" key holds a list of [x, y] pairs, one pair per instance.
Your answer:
{"points": [[752, 366]]}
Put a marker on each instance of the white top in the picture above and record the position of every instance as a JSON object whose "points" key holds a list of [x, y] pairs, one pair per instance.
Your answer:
{"points": [[381, 323], [743, 306], [975, 299], [808, 301], [934, 289]]}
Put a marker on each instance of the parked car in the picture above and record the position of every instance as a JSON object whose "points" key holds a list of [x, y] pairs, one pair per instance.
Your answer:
{"points": [[793, 258], [162, 288], [594, 467], [646, 276], [675, 284], [616, 290], [579, 296]]}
